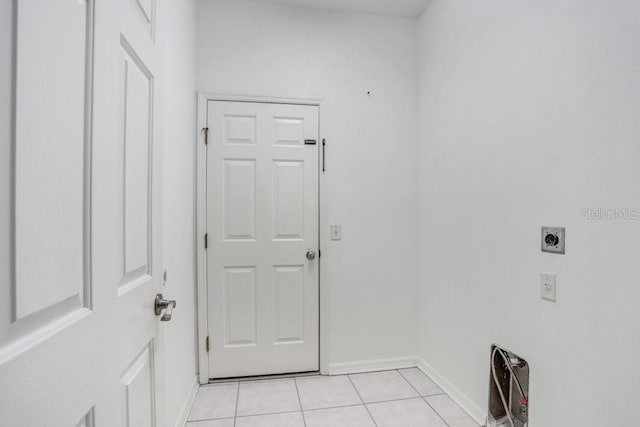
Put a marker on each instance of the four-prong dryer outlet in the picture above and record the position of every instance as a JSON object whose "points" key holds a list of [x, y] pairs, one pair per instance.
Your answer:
{"points": [[553, 240]]}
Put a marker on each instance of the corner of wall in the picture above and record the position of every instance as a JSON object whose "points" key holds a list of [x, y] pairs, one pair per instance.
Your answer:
{"points": [[183, 415], [466, 403], [178, 21]]}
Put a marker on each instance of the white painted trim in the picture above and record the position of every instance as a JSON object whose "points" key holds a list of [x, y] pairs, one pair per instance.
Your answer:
{"points": [[201, 226], [183, 416], [371, 365], [261, 99], [468, 405], [323, 240], [201, 254]]}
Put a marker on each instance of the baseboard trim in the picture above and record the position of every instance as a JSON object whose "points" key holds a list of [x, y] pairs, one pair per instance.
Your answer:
{"points": [[188, 403], [371, 365], [477, 413]]}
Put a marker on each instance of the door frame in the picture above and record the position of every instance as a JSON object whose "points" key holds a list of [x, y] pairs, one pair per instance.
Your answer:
{"points": [[201, 220]]}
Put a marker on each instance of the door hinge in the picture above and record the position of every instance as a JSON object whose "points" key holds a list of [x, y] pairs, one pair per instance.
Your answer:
{"points": [[206, 241], [206, 344], [206, 135], [319, 253]]}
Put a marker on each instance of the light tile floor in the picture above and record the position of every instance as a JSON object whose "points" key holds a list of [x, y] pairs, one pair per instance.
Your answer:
{"points": [[398, 398]]}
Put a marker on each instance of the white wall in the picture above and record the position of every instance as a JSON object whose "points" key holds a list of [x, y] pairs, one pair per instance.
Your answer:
{"points": [[6, 155], [528, 114], [179, 201], [369, 279]]}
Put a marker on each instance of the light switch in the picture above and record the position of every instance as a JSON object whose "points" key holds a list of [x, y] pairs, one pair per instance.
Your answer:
{"points": [[336, 232], [548, 287]]}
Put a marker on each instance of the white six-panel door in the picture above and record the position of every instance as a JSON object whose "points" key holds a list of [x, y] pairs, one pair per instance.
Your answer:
{"points": [[80, 222], [262, 220]]}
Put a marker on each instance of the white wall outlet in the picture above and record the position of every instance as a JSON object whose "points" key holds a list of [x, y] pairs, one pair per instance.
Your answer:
{"points": [[336, 232], [548, 286]]}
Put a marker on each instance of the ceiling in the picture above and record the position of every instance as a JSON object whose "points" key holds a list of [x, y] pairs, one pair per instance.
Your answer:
{"points": [[404, 8]]}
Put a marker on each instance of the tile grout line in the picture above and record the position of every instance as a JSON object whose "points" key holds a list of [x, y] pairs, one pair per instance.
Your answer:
{"points": [[264, 414], [434, 410], [435, 394], [362, 403], [426, 395], [402, 399], [308, 410], [423, 395], [408, 382], [304, 420], [334, 407], [424, 399], [235, 415], [362, 400]]}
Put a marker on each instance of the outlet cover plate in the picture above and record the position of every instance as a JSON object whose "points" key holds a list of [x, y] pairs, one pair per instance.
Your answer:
{"points": [[336, 232], [553, 240], [548, 286]]}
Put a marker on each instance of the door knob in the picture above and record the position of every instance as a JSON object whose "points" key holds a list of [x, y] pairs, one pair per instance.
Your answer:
{"points": [[164, 304], [311, 255]]}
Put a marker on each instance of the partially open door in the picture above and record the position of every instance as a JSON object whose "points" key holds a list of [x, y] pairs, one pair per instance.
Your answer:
{"points": [[80, 217]]}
